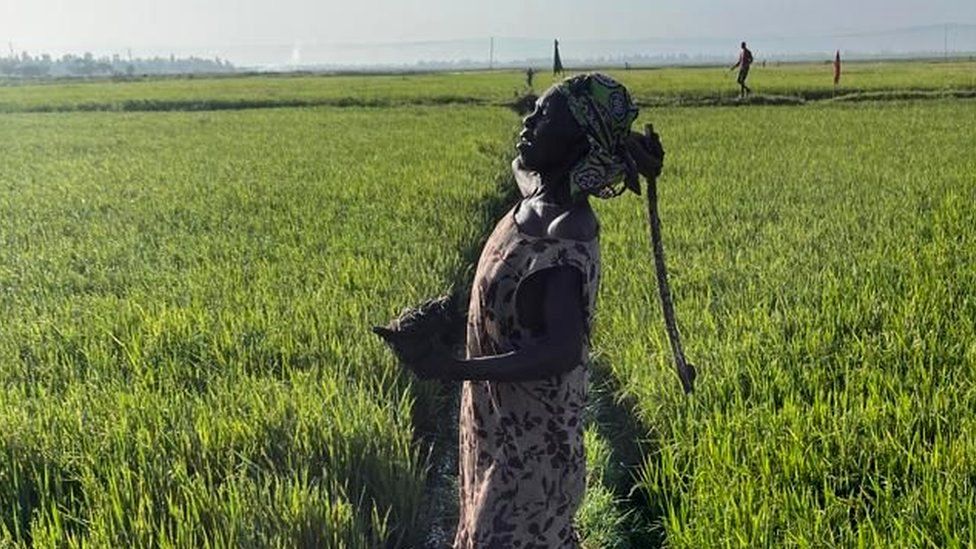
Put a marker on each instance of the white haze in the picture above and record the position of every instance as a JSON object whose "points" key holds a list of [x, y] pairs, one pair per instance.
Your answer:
{"points": [[394, 32]]}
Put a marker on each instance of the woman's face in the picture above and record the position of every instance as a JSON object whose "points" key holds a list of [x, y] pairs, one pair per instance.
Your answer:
{"points": [[551, 138]]}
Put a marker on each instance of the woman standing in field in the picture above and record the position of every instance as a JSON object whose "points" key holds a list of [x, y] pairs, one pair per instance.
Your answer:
{"points": [[522, 464]]}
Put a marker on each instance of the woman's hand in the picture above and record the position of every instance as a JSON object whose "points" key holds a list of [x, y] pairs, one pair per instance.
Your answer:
{"points": [[432, 365], [647, 152], [407, 347], [426, 357]]}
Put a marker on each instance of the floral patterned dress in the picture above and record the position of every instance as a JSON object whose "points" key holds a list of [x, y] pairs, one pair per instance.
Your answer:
{"points": [[522, 465]]}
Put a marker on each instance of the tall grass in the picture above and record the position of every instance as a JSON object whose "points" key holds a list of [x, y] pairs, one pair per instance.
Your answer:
{"points": [[184, 352], [822, 266]]}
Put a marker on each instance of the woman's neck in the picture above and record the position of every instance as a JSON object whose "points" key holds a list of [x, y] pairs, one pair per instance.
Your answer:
{"points": [[548, 188], [554, 189]]}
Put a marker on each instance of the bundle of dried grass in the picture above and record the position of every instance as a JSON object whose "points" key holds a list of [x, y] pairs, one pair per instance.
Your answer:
{"points": [[436, 322]]}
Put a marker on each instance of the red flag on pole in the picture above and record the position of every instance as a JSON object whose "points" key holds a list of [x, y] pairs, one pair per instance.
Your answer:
{"points": [[837, 68]]}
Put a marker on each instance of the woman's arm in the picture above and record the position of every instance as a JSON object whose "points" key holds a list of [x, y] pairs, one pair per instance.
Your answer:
{"points": [[558, 351]]}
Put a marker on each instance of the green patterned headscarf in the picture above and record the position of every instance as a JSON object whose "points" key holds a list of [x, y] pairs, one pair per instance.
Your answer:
{"points": [[604, 110]]}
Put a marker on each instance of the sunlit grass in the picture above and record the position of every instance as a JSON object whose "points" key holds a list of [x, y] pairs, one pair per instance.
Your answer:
{"points": [[822, 265], [185, 356]]}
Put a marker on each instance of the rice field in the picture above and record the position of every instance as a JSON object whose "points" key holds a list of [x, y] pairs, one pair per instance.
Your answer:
{"points": [[185, 356], [185, 296], [807, 80], [822, 265]]}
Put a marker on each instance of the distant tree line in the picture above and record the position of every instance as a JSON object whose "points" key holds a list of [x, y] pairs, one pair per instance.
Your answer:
{"points": [[44, 65]]}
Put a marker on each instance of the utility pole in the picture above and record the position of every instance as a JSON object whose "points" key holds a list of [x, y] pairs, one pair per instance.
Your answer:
{"points": [[491, 54], [945, 42]]}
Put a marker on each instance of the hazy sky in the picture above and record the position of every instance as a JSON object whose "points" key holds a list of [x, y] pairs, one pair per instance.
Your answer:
{"points": [[151, 25]]}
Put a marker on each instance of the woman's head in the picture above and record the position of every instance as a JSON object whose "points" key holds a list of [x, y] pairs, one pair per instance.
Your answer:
{"points": [[551, 140], [579, 128]]}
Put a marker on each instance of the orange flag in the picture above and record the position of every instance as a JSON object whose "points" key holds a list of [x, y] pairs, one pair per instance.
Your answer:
{"points": [[837, 68]]}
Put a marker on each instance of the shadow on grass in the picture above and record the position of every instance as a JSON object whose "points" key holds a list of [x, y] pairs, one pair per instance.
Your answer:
{"points": [[521, 105], [205, 104], [804, 97], [721, 101], [905, 95], [616, 423]]}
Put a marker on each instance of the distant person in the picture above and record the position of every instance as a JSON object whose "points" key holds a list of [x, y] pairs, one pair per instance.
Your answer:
{"points": [[529, 73], [525, 372], [836, 70], [557, 63], [744, 62]]}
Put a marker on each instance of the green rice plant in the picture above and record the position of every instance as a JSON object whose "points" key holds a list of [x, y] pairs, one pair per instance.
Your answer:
{"points": [[822, 265], [185, 355]]}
